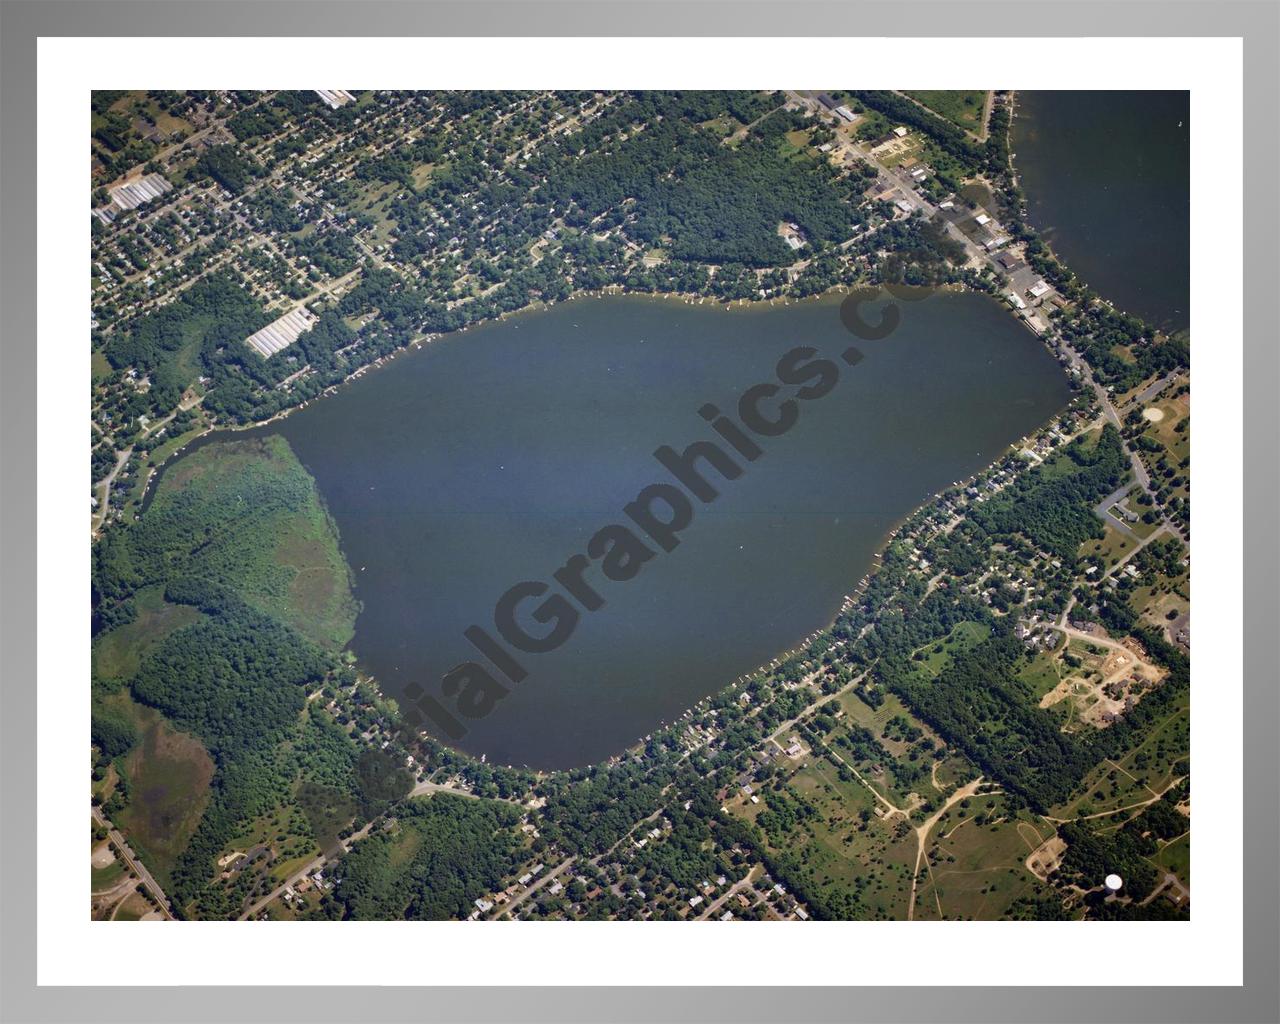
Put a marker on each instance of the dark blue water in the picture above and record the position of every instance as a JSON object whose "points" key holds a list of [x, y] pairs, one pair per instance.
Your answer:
{"points": [[1107, 177], [490, 458]]}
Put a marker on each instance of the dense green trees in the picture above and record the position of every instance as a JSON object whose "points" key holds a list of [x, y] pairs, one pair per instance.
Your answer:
{"points": [[170, 342], [587, 812], [1091, 856], [1056, 511], [381, 780], [236, 678], [443, 853], [228, 167], [111, 731], [705, 201], [215, 528], [979, 704]]}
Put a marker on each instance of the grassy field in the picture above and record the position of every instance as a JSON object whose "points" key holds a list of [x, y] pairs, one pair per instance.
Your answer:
{"points": [[837, 852], [1042, 673], [422, 175], [132, 908], [964, 637], [102, 879], [1148, 767], [962, 107], [976, 871], [1113, 547], [1175, 856], [286, 832]]}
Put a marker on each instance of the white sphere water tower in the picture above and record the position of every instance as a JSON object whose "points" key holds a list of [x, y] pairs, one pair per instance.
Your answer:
{"points": [[1113, 884]]}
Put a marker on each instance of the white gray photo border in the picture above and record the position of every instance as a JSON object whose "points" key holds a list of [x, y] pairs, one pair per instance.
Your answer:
{"points": [[22, 22]]}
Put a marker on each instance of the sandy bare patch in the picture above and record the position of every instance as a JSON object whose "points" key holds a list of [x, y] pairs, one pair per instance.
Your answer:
{"points": [[1152, 414], [1046, 857], [102, 856]]}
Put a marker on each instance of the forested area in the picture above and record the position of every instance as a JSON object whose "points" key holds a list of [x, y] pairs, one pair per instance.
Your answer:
{"points": [[714, 203], [228, 167], [237, 678], [169, 343], [979, 704], [588, 811], [1055, 511], [1122, 349], [442, 853]]}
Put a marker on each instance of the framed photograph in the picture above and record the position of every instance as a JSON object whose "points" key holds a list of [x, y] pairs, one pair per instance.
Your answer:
{"points": [[665, 512]]}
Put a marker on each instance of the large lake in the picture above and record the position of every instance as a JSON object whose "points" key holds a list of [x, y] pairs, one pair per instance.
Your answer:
{"points": [[490, 457], [1108, 183]]}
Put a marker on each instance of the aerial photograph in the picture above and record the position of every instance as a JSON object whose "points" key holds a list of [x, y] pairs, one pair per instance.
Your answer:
{"points": [[640, 506]]}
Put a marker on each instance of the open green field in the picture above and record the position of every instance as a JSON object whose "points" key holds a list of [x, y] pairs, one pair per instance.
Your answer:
{"points": [[861, 866], [1042, 673], [937, 656], [976, 871], [903, 768], [102, 879], [724, 125], [422, 175], [132, 908], [1175, 856], [1156, 599], [962, 107], [1113, 547], [285, 831]]}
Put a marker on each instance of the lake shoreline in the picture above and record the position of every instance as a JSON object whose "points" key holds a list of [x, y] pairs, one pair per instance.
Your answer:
{"points": [[1100, 279], [419, 342], [944, 351]]}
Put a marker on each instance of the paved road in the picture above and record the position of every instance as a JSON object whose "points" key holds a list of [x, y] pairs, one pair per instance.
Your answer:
{"points": [[139, 869], [1155, 534], [302, 873], [1151, 390], [745, 882], [1103, 510], [533, 887], [421, 789]]}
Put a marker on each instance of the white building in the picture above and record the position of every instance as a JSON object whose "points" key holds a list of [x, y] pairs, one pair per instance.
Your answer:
{"points": [[282, 332], [334, 98]]}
